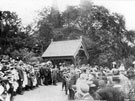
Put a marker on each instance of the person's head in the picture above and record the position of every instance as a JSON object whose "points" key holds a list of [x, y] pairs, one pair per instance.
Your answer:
{"points": [[102, 84], [84, 88], [94, 75], [72, 66], [130, 74], [105, 79], [116, 72], [72, 72], [84, 70], [92, 89], [99, 74]]}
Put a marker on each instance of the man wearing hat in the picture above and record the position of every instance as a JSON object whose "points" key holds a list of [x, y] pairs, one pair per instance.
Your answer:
{"points": [[45, 71], [109, 93], [71, 82], [41, 71], [21, 77], [84, 94], [54, 72], [65, 78]]}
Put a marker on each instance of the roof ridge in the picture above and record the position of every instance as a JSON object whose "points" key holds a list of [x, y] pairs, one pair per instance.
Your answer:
{"points": [[66, 40]]}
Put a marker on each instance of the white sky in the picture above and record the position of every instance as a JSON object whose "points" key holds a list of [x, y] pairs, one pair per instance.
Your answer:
{"points": [[27, 9]]}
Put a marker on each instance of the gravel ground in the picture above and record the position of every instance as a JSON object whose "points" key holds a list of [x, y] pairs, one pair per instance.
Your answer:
{"points": [[43, 93]]}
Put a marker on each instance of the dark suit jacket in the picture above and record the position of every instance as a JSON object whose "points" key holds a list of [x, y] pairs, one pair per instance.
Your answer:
{"points": [[110, 94], [72, 81], [21, 75], [41, 72]]}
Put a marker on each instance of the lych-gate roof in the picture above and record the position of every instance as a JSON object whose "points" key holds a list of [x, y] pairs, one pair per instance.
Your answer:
{"points": [[63, 48]]}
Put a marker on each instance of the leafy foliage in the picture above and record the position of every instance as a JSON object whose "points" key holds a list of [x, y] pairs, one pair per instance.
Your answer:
{"points": [[23, 54], [104, 33], [14, 38]]}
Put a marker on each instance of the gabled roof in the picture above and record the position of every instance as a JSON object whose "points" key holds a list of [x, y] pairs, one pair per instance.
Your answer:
{"points": [[63, 48]]}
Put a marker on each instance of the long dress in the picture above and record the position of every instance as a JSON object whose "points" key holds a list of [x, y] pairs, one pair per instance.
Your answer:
{"points": [[25, 82]]}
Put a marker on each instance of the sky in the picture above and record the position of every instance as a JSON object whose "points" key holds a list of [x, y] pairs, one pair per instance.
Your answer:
{"points": [[28, 9]]}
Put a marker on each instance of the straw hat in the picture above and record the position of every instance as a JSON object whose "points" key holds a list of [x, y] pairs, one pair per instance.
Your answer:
{"points": [[84, 88]]}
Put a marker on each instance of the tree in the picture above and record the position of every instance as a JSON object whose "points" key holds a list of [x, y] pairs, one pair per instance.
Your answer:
{"points": [[9, 23], [50, 20], [23, 54], [106, 31], [130, 37], [14, 36]]}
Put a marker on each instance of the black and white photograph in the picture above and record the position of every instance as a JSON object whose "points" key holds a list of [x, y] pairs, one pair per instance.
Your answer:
{"points": [[67, 50]]}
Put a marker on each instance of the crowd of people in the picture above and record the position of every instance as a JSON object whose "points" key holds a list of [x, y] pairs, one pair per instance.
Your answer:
{"points": [[17, 77], [82, 82], [98, 83]]}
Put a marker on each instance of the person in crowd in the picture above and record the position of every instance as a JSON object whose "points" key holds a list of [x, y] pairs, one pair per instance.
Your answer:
{"points": [[46, 74], [64, 75], [21, 78], [78, 71], [50, 65], [71, 82], [42, 75], [61, 66], [54, 72], [84, 95], [25, 82], [37, 74], [17, 76], [93, 91], [131, 76], [29, 83], [61, 69], [33, 76], [83, 83], [84, 75], [103, 91], [65, 78]]}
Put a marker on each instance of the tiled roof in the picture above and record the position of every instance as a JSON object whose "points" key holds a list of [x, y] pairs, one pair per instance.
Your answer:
{"points": [[62, 48]]}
